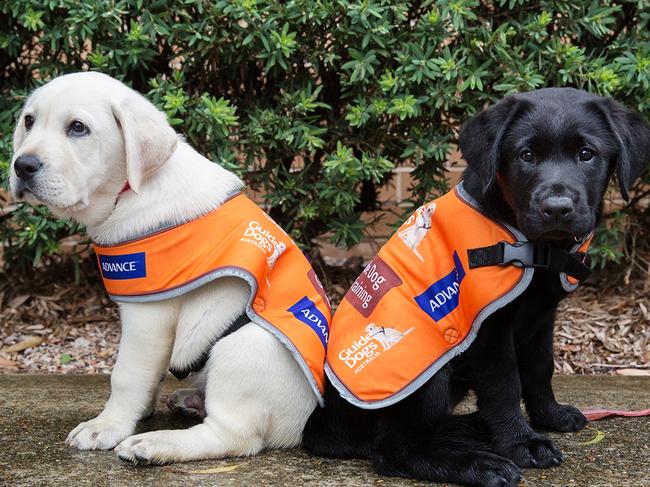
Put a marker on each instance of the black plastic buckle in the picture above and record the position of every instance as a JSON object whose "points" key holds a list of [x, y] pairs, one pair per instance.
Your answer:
{"points": [[529, 254], [525, 254]]}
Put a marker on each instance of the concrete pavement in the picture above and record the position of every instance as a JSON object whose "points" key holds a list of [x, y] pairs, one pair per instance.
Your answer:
{"points": [[38, 411]]}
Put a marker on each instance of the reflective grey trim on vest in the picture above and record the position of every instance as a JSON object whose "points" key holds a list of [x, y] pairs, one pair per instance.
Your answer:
{"points": [[467, 198], [454, 352], [254, 317], [564, 279]]}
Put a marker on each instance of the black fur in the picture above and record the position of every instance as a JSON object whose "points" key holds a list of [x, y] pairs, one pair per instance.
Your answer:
{"points": [[512, 356]]}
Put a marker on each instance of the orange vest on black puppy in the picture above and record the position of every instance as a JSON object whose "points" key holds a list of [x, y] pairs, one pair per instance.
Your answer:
{"points": [[422, 299]]}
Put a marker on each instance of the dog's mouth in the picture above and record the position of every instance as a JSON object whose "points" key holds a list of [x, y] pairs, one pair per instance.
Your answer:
{"points": [[574, 232], [561, 235], [25, 192], [20, 191]]}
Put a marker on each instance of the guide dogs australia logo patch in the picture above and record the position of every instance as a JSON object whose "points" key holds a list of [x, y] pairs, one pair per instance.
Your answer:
{"points": [[441, 298], [306, 311], [366, 348], [127, 266]]}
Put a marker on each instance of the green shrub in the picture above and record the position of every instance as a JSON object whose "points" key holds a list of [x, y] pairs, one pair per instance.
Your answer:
{"points": [[316, 101]]}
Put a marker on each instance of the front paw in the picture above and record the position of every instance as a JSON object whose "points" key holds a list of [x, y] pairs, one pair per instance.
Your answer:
{"points": [[99, 434], [537, 451], [560, 417], [491, 470], [149, 448]]}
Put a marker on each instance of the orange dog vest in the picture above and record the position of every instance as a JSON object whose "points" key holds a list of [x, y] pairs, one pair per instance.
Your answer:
{"points": [[421, 301], [237, 239]]}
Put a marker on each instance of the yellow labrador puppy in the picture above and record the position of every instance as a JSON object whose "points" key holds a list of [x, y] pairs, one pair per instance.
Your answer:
{"points": [[80, 138]]}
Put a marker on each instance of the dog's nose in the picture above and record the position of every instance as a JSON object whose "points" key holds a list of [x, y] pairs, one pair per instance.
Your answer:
{"points": [[26, 166], [556, 207]]}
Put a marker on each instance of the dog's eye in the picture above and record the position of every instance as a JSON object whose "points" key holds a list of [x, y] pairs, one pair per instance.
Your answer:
{"points": [[77, 128], [586, 154], [29, 122], [526, 155]]}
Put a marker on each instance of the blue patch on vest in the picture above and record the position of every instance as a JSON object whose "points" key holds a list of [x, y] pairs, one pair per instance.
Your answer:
{"points": [[306, 311], [127, 266], [442, 297]]}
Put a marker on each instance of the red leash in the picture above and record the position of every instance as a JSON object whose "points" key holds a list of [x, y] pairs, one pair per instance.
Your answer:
{"points": [[596, 414]]}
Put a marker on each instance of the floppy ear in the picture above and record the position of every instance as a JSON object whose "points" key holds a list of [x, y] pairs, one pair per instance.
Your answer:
{"points": [[481, 136], [149, 140], [633, 137]]}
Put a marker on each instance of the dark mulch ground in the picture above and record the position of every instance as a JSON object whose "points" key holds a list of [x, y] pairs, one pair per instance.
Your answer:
{"points": [[50, 324]]}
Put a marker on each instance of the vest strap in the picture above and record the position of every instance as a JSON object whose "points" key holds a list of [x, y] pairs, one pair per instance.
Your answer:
{"points": [[530, 254], [202, 359]]}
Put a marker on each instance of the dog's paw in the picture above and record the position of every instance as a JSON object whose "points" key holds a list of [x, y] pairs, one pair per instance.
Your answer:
{"points": [[99, 434], [491, 470], [562, 417], [535, 452], [144, 449]]}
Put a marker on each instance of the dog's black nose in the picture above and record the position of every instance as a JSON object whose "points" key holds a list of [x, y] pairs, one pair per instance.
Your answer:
{"points": [[26, 166], [556, 207]]}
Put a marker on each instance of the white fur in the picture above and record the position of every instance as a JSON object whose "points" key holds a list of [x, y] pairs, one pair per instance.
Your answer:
{"points": [[256, 395]]}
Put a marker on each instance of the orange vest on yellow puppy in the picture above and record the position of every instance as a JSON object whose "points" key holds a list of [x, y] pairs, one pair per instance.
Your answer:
{"points": [[237, 239], [422, 299]]}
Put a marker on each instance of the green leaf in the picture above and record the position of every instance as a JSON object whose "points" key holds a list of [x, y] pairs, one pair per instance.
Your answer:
{"points": [[65, 358]]}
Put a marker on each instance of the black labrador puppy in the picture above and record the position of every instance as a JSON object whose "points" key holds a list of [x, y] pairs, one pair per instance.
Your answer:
{"points": [[541, 162]]}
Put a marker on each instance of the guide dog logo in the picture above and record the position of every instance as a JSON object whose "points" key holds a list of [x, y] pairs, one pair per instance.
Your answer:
{"points": [[366, 348], [415, 228]]}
